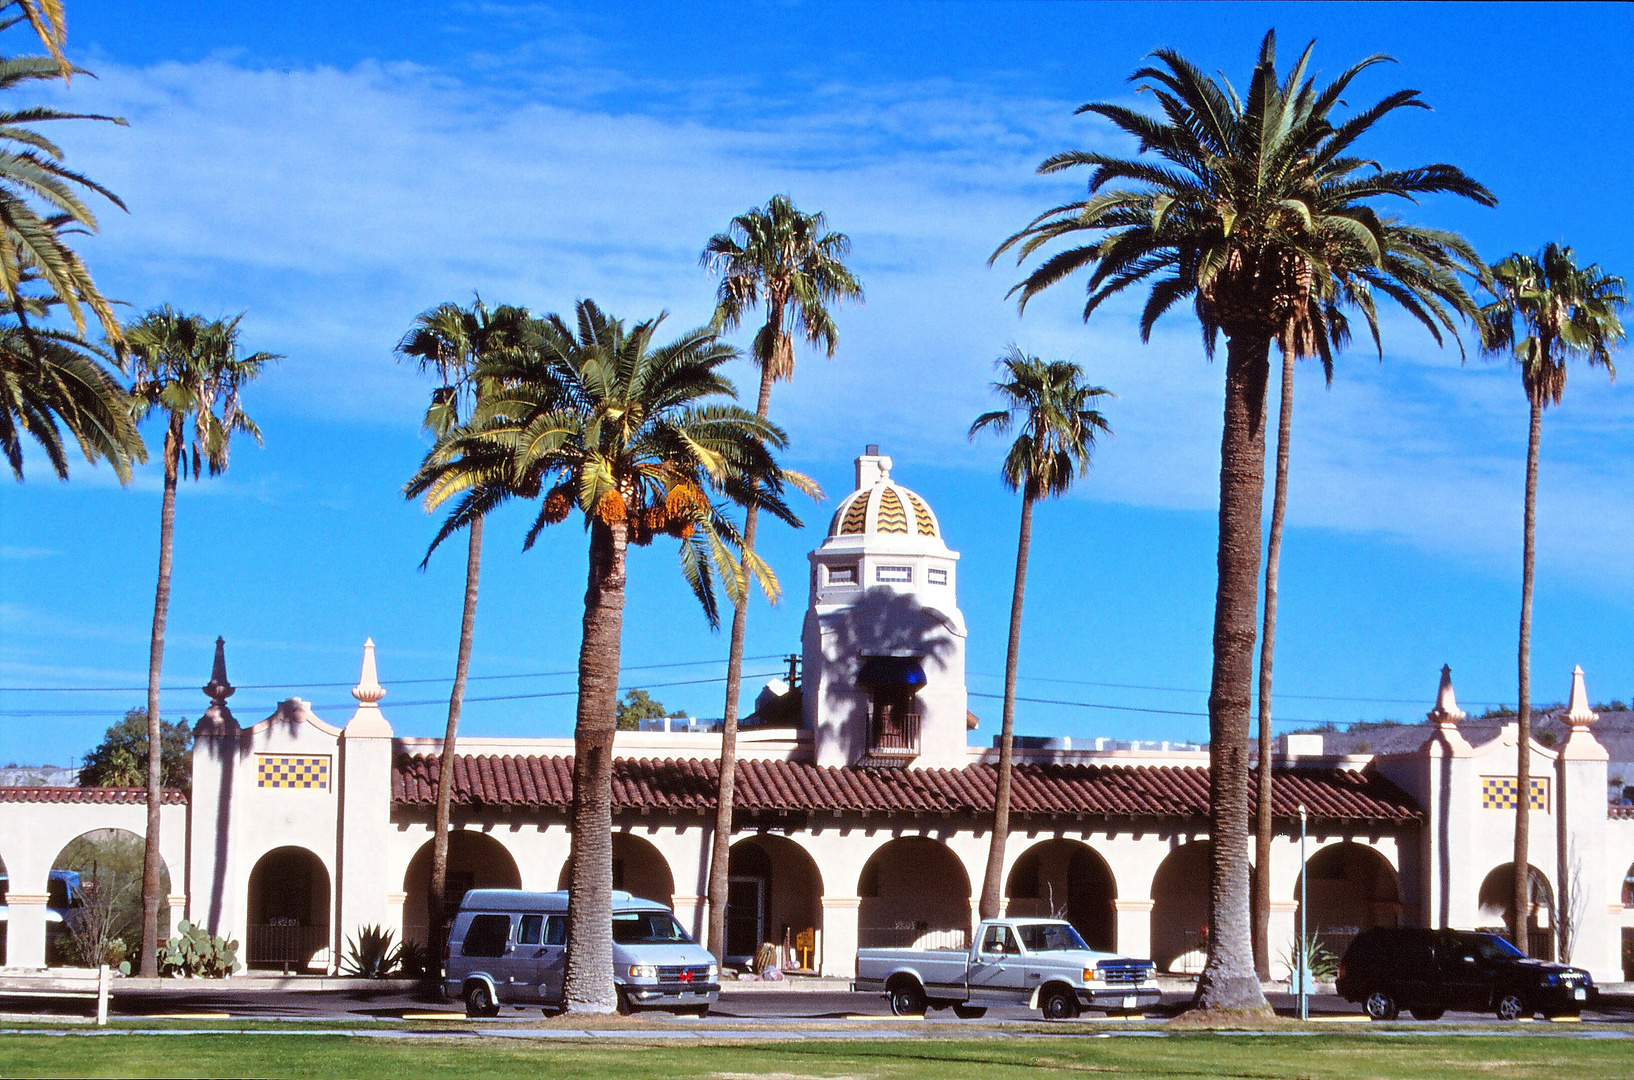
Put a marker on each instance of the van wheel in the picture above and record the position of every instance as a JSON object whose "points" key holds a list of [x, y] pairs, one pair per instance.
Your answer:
{"points": [[907, 1000], [625, 1006], [1058, 1004], [1381, 1006], [700, 1012], [1429, 1014], [969, 1012], [1511, 1007], [479, 1001]]}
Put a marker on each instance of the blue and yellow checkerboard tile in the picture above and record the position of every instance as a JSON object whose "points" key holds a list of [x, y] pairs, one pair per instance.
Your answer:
{"points": [[1498, 793], [292, 771]]}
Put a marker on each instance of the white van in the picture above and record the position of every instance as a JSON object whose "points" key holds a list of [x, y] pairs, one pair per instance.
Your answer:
{"points": [[508, 947]]}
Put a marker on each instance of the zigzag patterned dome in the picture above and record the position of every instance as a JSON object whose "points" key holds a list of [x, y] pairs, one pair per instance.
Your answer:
{"points": [[884, 508]]}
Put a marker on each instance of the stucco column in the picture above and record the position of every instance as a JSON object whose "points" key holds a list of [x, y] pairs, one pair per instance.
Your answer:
{"points": [[212, 886], [839, 945], [364, 862], [1588, 886], [1280, 936], [394, 913], [25, 932], [1134, 928], [692, 913]]}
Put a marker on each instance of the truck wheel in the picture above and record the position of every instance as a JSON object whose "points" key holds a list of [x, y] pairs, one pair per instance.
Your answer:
{"points": [[969, 1012], [1429, 1014], [1512, 1007], [479, 1001], [1058, 1004], [1381, 1006], [907, 1000]]}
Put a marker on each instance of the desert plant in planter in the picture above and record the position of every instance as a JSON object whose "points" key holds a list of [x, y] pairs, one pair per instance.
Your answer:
{"points": [[195, 953], [371, 954]]}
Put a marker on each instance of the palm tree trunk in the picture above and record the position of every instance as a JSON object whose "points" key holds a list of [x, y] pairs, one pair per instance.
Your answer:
{"points": [[992, 883], [1228, 980], [436, 894], [1263, 834], [720, 852], [1523, 708], [589, 978], [152, 863]]}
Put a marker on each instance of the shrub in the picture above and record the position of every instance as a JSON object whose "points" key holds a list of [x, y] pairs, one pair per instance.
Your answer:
{"points": [[195, 953], [371, 954]]}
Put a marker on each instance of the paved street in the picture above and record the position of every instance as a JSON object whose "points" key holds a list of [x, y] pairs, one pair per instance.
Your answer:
{"points": [[805, 1006]]}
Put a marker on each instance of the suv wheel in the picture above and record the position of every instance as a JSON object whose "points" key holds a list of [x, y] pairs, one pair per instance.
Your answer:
{"points": [[1512, 1007], [479, 1001], [1429, 1014], [1381, 1006]]}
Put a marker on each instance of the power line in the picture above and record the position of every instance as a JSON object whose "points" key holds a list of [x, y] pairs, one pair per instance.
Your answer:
{"points": [[1192, 690], [1122, 708], [327, 685]]}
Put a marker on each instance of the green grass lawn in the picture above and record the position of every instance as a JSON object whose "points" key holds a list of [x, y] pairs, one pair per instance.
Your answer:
{"points": [[1342, 1057]]}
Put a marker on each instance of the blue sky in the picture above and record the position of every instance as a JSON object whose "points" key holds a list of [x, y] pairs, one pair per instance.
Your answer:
{"points": [[333, 177]]}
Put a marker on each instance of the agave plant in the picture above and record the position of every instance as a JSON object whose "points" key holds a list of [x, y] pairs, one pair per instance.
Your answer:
{"points": [[371, 955]]}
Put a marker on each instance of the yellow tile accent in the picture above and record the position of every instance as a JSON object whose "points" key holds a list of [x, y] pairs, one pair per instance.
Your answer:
{"points": [[892, 518], [856, 515], [921, 514], [1498, 793], [292, 771]]}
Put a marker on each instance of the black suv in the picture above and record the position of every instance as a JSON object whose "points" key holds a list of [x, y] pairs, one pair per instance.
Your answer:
{"points": [[1431, 971]]}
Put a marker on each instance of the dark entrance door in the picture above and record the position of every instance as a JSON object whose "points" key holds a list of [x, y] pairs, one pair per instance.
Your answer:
{"points": [[745, 917]]}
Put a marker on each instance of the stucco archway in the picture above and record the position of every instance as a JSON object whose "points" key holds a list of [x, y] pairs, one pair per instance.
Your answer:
{"points": [[5, 886], [639, 869], [1068, 879], [1496, 900], [914, 892], [94, 899], [288, 910], [1349, 887], [774, 893], [475, 861], [1180, 902]]}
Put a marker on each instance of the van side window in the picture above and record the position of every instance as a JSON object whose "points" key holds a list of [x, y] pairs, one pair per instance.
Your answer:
{"points": [[487, 936], [532, 926], [556, 930]]}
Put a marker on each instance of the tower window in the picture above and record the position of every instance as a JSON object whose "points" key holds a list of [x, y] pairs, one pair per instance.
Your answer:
{"points": [[893, 573], [936, 576], [842, 575]]}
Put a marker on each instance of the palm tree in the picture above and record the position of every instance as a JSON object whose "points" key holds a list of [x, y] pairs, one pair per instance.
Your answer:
{"points": [[49, 22], [790, 264], [1058, 428], [188, 368], [41, 204], [634, 435], [51, 377], [1546, 310], [1252, 208], [452, 341]]}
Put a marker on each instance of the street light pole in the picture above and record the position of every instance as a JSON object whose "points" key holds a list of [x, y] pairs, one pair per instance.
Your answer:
{"points": [[1304, 960]]}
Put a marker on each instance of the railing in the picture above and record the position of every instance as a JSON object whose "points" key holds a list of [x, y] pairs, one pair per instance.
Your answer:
{"points": [[285, 946], [893, 734], [911, 937]]}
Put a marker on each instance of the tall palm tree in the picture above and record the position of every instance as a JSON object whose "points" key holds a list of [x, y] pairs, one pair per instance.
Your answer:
{"points": [[51, 377], [1545, 311], [49, 22], [451, 342], [1058, 429], [41, 204], [636, 436], [188, 369], [789, 263], [1250, 207]]}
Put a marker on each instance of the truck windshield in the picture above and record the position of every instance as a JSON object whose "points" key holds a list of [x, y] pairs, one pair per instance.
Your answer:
{"points": [[648, 928], [1050, 937]]}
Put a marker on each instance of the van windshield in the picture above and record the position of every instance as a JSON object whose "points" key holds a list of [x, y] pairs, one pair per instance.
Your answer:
{"points": [[1050, 937], [648, 928]]}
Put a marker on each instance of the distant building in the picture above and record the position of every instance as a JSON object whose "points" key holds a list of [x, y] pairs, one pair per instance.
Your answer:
{"points": [[39, 776], [862, 812]]}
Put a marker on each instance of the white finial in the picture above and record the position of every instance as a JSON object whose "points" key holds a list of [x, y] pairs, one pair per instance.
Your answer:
{"points": [[368, 689], [1446, 712], [1578, 713]]}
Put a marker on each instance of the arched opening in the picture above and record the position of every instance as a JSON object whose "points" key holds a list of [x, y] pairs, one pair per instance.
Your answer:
{"points": [[1349, 888], [5, 924], [93, 912], [1496, 899], [1180, 900], [638, 869], [1066, 879], [773, 894], [915, 893], [288, 911], [475, 861]]}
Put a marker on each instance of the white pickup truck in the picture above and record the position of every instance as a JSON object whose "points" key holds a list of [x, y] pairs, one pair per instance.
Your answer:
{"points": [[1040, 963]]}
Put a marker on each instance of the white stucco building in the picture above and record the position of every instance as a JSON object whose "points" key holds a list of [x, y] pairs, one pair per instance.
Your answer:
{"points": [[864, 824]]}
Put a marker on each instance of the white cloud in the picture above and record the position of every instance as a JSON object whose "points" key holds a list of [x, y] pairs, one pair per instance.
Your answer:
{"points": [[336, 204]]}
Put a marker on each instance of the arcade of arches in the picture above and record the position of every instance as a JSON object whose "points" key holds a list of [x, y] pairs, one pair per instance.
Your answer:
{"points": [[774, 894], [1066, 879], [914, 892], [639, 869], [1497, 902], [288, 911], [475, 861]]}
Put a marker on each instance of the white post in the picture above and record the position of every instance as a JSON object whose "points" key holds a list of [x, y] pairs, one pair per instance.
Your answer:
{"points": [[103, 980], [1304, 999]]}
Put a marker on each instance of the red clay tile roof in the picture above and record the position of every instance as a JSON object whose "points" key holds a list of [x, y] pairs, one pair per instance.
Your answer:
{"points": [[1620, 812], [1120, 791], [169, 796]]}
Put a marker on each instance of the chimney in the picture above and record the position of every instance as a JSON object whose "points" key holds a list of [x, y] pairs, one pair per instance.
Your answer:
{"points": [[872, 467]]}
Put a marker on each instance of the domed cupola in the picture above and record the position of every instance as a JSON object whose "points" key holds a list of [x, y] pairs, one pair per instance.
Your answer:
{"points": [[882, 506]]}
